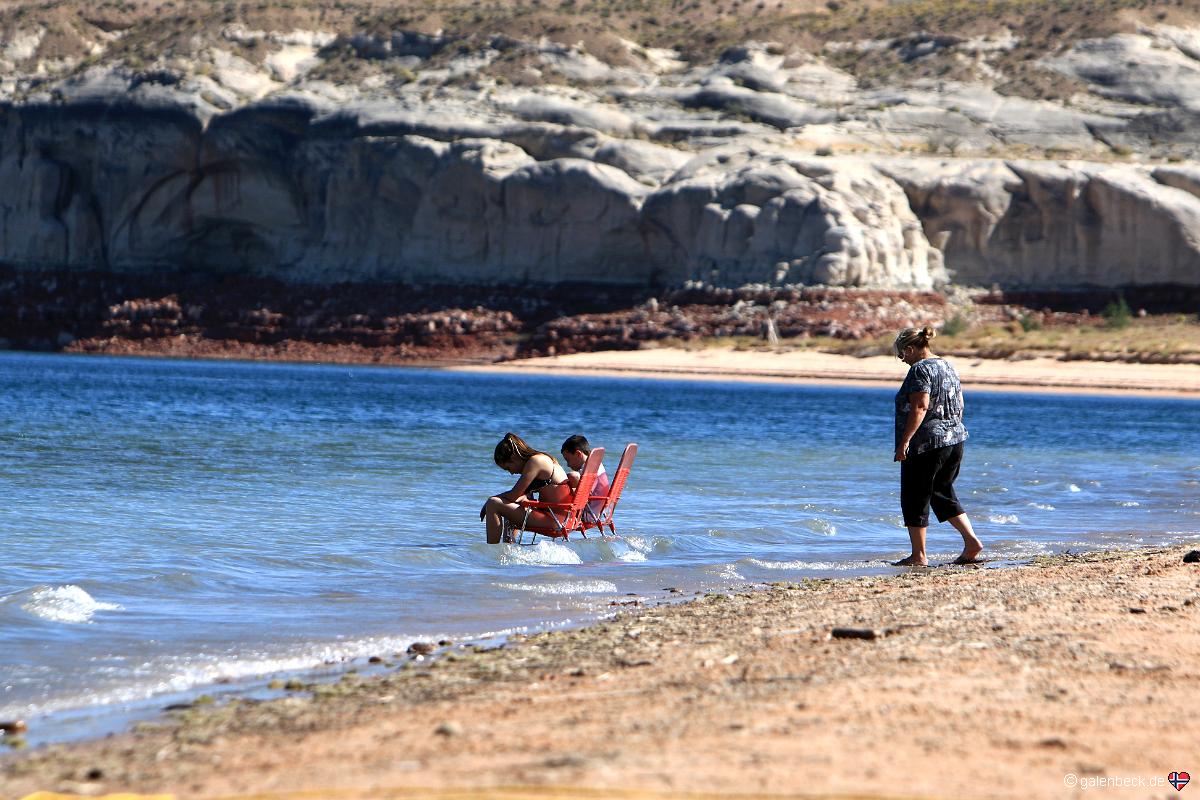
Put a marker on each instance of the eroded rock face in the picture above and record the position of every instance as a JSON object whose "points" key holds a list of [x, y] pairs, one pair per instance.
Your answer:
{"points": [[1040, 224], [126, 174], [285, 189]]}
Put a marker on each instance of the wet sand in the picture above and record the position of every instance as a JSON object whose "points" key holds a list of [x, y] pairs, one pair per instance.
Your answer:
{"points": [[981, 682], [813, 367]]}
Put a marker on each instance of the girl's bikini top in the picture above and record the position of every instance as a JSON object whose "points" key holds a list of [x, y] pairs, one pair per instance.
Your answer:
{"points": [[537, 484]]}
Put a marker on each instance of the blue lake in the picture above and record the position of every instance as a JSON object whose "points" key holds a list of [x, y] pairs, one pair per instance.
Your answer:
{"points": [[169, 525]]}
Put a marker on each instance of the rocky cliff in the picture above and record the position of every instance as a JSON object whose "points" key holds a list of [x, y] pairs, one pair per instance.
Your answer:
{"points": [[500, 160]]}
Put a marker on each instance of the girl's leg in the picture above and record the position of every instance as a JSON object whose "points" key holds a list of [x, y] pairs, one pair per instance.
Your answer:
{"points": [[495, 525], [496, 511]]}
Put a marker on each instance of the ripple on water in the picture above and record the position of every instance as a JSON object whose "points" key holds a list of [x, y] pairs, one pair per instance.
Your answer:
{"points": [[821, 527]]}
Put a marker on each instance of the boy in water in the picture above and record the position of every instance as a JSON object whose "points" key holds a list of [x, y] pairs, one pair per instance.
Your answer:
{"points": [[575, 451]]}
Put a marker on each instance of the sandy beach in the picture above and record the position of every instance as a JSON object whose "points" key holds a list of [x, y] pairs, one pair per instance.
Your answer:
{"points": [[814, 367], [1042, 680]]}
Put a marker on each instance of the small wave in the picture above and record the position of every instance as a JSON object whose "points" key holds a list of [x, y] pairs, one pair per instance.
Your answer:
{"points": [[1003, 519], [1042, 506], [631, 550], [1074, 488], [68, 603], [569, 587], [544, 552], [1130, 504]]}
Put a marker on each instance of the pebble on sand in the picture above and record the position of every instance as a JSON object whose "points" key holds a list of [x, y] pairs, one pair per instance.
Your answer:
{"points": [[1192, 558], [854, 633], [422, 648], [448, 729]]}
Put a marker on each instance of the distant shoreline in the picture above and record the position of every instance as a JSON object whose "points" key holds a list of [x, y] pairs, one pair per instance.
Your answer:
{"points": [[808, 367], [729, 364]]}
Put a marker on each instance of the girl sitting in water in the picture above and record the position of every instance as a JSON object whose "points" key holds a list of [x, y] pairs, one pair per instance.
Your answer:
{"points": [[538, 472]]}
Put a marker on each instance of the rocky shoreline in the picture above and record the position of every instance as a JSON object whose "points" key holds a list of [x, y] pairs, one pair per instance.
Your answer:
{"points": [[990, 682], [178, 315]]}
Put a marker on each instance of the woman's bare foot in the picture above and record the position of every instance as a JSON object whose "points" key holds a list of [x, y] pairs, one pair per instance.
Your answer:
{"points": [[970, 553], [911, 561]]}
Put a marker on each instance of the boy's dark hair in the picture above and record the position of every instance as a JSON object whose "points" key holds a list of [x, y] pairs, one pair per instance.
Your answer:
{"points": [[576, 442]]}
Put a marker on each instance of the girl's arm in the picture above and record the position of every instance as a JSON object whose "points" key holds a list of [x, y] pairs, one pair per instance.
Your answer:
{"points": [[528, 475]]}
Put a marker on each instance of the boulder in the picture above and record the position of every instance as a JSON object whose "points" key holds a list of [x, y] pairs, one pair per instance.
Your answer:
{"points": [[725, 217], [769, 108]]}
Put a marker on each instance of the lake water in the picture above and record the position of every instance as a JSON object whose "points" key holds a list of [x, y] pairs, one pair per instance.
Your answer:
{"points": [[170, 525]]}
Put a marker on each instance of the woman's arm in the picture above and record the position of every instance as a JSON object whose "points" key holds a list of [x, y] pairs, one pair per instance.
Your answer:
{"points": [[918, 407]]}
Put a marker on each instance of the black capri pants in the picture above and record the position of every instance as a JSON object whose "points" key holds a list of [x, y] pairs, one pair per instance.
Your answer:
{"points": [[928, 480]]}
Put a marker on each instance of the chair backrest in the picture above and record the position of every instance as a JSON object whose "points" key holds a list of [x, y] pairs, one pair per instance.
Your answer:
{"points": [[618, 482], [587, 482]]}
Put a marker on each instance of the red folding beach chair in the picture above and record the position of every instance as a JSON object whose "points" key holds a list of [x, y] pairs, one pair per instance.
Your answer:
{"points": [[605, 517], [568, 517]]}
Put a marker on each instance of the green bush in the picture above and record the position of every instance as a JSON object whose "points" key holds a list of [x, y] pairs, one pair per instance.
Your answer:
{"points": [[1117, 313], [1029, 322], [955, 325]]}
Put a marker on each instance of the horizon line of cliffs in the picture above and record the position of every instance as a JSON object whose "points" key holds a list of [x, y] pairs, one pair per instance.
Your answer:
{"points": [[297, 189]]}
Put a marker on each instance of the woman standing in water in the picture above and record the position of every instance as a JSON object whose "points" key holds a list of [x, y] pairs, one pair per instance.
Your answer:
{"points": [[538, 472], [929, 445]]}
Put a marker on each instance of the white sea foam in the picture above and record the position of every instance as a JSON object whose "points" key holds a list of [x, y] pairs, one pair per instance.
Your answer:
{"points": [[173, 674], [1042, 506], [544, 552], [1074, 488], [68, 603], [567, 587], [725, 571], [1003, 519], [821, 565], [1131, 504]]}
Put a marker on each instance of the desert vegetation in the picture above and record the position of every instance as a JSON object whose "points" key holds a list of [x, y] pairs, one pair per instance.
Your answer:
{"points": [[895, 41]]}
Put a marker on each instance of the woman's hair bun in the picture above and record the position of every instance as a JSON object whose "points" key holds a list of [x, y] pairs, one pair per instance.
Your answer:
{"points": [[928, 332]]}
